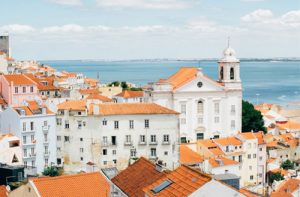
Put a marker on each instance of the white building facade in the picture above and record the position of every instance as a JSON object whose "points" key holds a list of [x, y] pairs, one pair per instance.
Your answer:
{"points": [[37, 133], [114, 135], [209, 109]]}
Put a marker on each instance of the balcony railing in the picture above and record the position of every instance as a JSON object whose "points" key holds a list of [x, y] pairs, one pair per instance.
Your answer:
{"points": [[46, 154], [153, 143], [165, 142], [46, 128], [142, 143], [127, 143]]}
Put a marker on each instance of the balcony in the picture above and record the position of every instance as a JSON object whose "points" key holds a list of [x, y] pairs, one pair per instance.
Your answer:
{"points": [[29, 156], [165, 143], [142, 143], [153, 143], [153, 157], [46, 128], [29, 130], [46, 154], [105, 144], [46, 141], [29, 144], [128, 143]]}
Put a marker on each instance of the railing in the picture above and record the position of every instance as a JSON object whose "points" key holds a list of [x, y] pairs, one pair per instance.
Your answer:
{"points": [[142, 142], [46, 128], [165, 143], [153, 143], [127, 143]]}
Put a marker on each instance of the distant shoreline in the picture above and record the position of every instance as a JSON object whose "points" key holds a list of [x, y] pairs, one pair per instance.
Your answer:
{"points": [[182, 60]]}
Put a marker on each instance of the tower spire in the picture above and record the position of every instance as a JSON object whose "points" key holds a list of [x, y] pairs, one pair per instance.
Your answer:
{"points": [[228, 41]]}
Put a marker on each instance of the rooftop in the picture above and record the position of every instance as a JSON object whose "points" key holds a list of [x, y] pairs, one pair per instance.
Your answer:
{"points": [[84, 184], [72, 105], [133, 179], [188, 156], [19, 79], [182, 182], [286, 188], [130, 94]]}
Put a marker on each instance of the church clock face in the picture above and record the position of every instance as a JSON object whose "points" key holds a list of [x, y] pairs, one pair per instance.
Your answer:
{"points": [[199, 84]]}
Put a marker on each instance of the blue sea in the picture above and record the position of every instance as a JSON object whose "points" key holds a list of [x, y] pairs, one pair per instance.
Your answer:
{"points": [[263, 81]]}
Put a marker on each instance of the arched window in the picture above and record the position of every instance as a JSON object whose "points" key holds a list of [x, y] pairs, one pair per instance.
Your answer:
{"points": [[222, 73], [200, 107], [231, 73]]}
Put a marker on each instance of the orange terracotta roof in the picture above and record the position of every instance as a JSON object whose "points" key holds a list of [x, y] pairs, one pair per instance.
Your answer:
{"points": [[99, 97], [89, 91], [32, 108], [286, 188], [289, 125], [72, 105], [19, 79], [2, 101], [271, 160], [3, 191], [248, 193], [134, 178], [272, 144], [260, 137], [208, 143], [248, 135], [216, 151], [130, 94], [131, 108], [221, 161], [281, 171], [182, 76], [184, 181], [84, 184], [188, 156], [4, 135], [228, 141], [90, 80]]}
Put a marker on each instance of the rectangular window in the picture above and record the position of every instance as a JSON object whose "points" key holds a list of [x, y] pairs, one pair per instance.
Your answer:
{"points": [[16, 89], [46, 149], [25, 152], [153, 152], [45, 123], [24, 89], [104, 122], [200, 136], [217, 108], [254, 156], [81, 150], [166, 138], [114, 152], [240, 158], [132, 152], [79, 124], [260, 149], [249, 156], [105, 139], [24, 126], [24, 140], [131, 124], [217, 119], [142, 138], [67, 138], [31, 126], [67, 126], [58, 138], [260, 158], [104, 151], [183, 108], [153, 138], [128, 138], [232, 109], [146, 123], [46, 137], [116, 124], [113, 140], [58, 121], [32, 138], [200, 108], [251, 177], [232, 124], [31, 89]]}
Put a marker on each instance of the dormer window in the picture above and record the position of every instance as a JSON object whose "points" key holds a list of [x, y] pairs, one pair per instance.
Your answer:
{"points": [[31, 89], [24, 89]]}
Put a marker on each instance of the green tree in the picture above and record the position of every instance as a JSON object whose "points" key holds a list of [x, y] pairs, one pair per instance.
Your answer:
{"points": [[51, 171], [287, 165], [114, 83], [275, 177], [124, 85], [252, 120]]}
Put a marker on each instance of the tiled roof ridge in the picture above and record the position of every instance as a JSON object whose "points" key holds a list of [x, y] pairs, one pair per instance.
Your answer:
{"points": [[47, 178], [197, 171]]}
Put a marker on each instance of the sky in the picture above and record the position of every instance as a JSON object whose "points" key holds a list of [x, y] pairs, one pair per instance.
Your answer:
{"points": [[147, 29]]}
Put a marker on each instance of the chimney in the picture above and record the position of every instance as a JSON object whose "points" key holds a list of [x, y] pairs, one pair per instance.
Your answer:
{"points": [[159, 166], [96, 109]]}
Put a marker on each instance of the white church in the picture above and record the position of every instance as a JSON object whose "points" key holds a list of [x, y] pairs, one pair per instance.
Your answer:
{"points": [[208, 108]]}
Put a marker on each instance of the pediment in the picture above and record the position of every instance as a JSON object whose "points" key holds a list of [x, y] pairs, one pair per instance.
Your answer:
{"points": [[201, 83]]}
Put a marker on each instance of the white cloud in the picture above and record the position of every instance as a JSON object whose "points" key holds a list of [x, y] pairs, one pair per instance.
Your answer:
{"points": [[69, 28], [259, 15], [146, 4], [68, 2], [17, 28], [291, 18]]}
